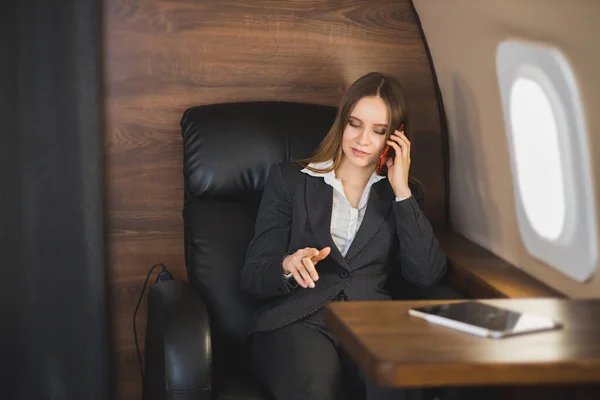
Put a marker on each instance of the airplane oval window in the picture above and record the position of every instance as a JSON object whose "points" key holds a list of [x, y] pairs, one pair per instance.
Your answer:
{"points": [[550, 161], [536, 148]]}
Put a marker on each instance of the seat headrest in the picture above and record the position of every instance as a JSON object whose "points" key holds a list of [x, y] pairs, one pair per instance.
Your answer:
{"points": [[229, 148]]}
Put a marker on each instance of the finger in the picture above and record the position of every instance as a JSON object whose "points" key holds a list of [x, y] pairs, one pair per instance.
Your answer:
{"points": [[398, 142], [395, 146], [400, 148], [395, 136], [402, 145], [310, 267], [406, 148], [322, 254], [305, 275], [402, 135], [400, 132], [298, 278], [405, 143], [400, 138], [309, 252], [404, 140]]}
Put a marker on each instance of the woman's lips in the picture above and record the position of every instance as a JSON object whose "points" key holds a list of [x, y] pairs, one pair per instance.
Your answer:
{"points": [[359, 153]]}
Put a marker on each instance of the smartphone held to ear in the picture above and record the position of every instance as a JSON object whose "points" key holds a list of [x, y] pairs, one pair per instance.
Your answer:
{"points": [[385, 155]]}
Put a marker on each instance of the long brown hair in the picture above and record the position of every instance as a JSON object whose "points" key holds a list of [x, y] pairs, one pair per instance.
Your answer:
{"points": [[374, 84]]}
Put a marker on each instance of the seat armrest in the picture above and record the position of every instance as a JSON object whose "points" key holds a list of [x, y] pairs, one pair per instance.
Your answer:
{"points": [[478, 273], [178, 344]]}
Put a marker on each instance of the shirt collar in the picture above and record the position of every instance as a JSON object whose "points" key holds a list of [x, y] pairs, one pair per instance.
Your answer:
{"points": [[320, 165], [331, 179], [326, 164]]}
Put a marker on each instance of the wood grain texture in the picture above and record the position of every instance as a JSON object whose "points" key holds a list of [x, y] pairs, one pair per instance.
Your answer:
{"points": [[161, 57], [478, 273], [397, 349]]}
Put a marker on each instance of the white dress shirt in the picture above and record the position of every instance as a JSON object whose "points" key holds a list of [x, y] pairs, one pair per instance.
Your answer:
{"points": [[345, 219]]}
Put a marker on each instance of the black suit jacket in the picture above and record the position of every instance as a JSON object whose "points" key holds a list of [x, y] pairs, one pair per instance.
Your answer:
{"points": [[295, 212]]}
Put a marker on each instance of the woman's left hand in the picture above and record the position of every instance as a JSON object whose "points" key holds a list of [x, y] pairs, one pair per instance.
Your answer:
{"points": [[399, 166]]}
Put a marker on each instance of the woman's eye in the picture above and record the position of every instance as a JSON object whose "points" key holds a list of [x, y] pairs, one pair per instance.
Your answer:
{"points": [[380, 132], [353, 125]]}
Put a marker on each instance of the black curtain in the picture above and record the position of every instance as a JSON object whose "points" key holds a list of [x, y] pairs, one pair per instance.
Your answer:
{"points": [[54, 316]]}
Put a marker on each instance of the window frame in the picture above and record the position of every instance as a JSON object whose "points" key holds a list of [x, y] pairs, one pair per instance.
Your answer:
{"points": [[574, 252]]}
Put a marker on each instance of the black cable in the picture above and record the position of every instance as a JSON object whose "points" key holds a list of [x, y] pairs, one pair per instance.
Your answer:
{"points": [[137, 346]]}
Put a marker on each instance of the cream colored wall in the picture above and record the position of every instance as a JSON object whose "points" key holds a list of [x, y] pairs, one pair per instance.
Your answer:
{"points": [[462, 36]]}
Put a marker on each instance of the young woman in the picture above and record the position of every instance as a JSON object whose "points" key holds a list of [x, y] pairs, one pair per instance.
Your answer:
{"points": [[330, 228]]}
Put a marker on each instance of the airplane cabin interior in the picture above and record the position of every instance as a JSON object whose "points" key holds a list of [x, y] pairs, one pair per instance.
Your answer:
{"points": [[139, 139]]}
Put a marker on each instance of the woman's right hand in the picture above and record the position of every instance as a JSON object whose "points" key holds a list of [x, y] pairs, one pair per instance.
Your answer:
{"points": [[302, 263]]}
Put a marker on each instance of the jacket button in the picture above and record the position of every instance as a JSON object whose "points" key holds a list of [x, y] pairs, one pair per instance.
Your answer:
{"points": [[343, 274]]}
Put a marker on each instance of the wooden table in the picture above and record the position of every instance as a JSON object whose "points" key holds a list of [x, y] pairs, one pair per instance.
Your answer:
{"points": [[396, 349]]}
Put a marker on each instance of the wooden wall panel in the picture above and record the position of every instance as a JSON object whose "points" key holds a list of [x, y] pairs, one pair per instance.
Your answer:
{"points": [[161, 57]]}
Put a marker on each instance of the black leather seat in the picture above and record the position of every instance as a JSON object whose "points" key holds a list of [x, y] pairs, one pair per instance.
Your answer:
{"points": [[195, 331]]}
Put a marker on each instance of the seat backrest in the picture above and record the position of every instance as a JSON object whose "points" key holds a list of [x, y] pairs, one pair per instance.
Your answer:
{"points": [[228, 151]]}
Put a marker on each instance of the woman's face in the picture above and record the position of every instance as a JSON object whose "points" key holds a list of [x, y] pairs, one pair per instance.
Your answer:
{"points": [[364, 136]]}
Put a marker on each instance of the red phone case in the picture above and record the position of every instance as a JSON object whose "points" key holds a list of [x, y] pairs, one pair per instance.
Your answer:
{"points": [[385, 155]]}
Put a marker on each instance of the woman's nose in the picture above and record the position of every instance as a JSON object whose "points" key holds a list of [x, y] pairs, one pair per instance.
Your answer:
{"points": [[363, 139]]}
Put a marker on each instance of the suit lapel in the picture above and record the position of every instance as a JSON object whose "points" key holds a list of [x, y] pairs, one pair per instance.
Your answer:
{"points": [[378, 207], [319, 200]]}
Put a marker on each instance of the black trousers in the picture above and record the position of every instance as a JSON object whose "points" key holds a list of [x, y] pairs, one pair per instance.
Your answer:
{"points": [[300, 361]]}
